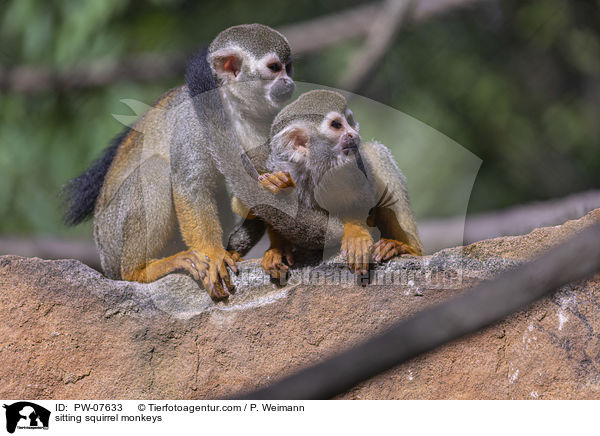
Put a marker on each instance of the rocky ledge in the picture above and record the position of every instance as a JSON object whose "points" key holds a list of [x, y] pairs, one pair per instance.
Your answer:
{"points": [[69, 333]]}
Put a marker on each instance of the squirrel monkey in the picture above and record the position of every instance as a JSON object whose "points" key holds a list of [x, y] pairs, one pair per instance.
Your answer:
{"points": [[315, 148], [161, 177]]}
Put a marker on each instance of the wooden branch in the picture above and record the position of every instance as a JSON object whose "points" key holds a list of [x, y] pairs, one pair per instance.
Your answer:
{"points": [[144, 67], [328, 30], [485, 304], [517, 220], [312, 35], [380, 37]]}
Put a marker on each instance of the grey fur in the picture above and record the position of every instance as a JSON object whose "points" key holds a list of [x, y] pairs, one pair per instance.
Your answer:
{"points": [[169, 160], [257, 39], [343, 191]]}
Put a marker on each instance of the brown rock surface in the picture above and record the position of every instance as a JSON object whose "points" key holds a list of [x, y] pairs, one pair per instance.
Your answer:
{"points": [[66, 332]]}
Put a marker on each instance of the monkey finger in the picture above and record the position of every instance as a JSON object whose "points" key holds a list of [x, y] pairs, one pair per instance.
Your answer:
{"points": [[386, 251], [377, 249], [358, 257], [351, 254], [382, 247], [285, 179], [366, 253], [405, 249], [344, 248], [398, 248], [274, 188], [266, 183], [229, 260], [290, 182], [275, 273], [275, 181], [265, 179], [200, 260], [191, 268], [363, 260], [199, 255], [218, 291], [225, 277], [235, 256], [355, 259], [209, 286]]}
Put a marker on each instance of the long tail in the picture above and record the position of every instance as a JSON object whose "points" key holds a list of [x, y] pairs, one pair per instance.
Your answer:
{"points": [[80, 194]]}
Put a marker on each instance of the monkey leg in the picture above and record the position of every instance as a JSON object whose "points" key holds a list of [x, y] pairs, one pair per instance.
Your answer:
{"points": [[276, 182], [133, 228], [385, 249], [134, 220], [241, 209], [356, 246], [280, 249], [191, 261]]}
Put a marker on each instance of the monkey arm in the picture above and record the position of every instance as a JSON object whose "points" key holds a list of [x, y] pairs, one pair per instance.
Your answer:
{"points": [[393, 215], [194, 183]]}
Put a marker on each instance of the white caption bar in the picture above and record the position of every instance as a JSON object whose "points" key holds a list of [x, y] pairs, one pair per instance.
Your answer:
{"points": [[23, 417]]}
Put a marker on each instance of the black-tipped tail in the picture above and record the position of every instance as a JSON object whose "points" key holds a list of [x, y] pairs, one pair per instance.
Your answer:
{"points": [[80, 194]]}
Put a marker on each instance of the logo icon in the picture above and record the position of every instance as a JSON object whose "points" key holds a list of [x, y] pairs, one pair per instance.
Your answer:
{"points": [[26, 415]]}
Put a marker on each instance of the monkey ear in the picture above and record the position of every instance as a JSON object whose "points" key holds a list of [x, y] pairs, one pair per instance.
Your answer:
{"points": [[297, 137], [227, 62]]}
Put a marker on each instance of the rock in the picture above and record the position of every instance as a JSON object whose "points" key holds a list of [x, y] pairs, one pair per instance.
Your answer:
{"points": [[68, 332]]}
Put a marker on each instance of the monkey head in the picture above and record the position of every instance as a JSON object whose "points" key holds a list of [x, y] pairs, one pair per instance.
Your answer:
{"points": [[252, 64], [317, 130]]}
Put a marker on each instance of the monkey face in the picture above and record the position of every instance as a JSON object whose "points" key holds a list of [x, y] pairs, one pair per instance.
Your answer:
{"points": [[341, 131], [319, 146], [277, 75], [265, 83]]}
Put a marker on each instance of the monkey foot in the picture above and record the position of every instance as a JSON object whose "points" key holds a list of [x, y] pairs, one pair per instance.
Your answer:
{"points": [[272, 262], [385, 249], [356, 248], [276, 182], [217, 281]]}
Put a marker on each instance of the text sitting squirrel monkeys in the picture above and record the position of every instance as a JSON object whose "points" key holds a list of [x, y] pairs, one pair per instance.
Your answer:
{"points": [[315, 149], [162, 176]]}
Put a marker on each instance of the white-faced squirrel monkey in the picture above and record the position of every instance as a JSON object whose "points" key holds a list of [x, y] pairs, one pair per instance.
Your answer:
{"points": [[162, 176], [315, 149]]}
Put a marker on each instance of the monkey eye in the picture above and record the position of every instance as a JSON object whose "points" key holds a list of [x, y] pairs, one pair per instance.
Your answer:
{"points": [[289, 69], [336, 124], [274, 66]]}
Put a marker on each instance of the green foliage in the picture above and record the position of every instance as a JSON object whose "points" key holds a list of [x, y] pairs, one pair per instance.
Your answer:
{"points": [[516, 84]]}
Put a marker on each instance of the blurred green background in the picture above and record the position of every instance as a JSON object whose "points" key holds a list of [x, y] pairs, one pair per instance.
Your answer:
{"points": [[516, 83]]}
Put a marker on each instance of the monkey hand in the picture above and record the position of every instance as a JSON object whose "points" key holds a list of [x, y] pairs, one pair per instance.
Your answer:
{"points": [[356, 247], [276, 182], [385, 249], [272, 261], [216, 280]]}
